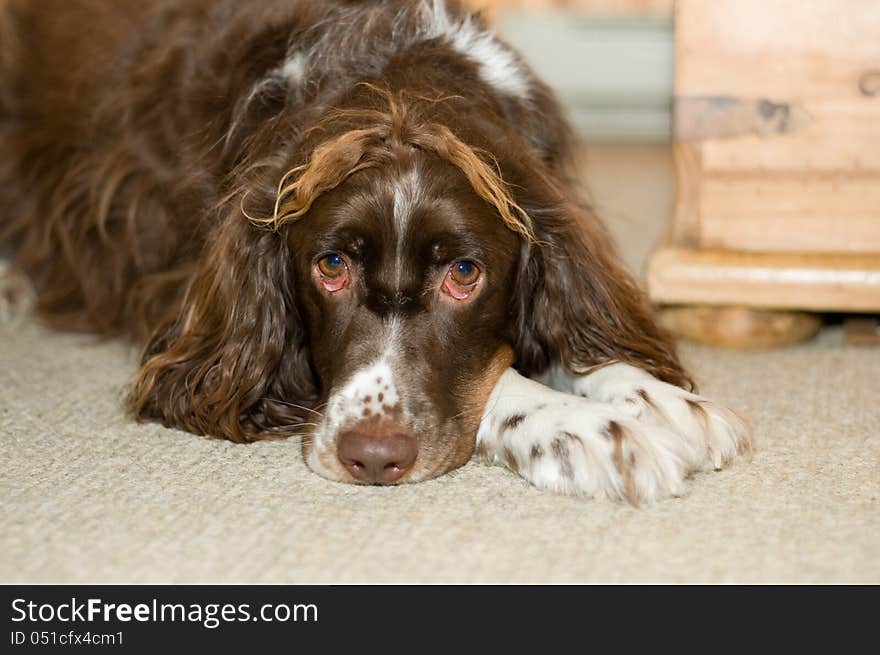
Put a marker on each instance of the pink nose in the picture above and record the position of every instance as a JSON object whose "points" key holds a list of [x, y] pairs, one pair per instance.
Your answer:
{"points": [[377, 458]]}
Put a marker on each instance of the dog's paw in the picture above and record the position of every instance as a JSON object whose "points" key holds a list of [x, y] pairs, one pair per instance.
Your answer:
{"points": [[575, 446], [632, 437], [716, 434]]}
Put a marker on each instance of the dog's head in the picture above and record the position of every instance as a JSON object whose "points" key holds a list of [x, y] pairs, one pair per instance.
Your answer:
{"points": [[405, 275], [368, 293]]}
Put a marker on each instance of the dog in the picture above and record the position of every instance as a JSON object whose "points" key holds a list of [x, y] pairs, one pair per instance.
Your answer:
{"points": [[350, 222]]}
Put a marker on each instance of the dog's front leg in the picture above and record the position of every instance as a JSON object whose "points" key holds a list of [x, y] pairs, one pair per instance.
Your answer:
{"points": [[577, 445]]}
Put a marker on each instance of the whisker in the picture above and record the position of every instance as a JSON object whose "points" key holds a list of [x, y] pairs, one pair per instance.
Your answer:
{"points": [[303, 407], [466, 412], [285, 426]]}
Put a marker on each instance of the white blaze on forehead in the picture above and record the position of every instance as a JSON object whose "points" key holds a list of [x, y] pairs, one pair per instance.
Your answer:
{"points": [[407, 190]]}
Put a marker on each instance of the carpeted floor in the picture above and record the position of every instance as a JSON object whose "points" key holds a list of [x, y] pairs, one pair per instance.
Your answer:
{"points": [[88, 496]]}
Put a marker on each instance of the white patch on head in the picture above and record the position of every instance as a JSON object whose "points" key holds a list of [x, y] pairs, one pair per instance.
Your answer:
{"points": [[498, 65], [293, 69], [353, 34], [407, 190], [289, 75]]}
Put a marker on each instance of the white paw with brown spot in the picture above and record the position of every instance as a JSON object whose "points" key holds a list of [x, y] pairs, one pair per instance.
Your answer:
{"points": [[625, 435], [718, 434]]}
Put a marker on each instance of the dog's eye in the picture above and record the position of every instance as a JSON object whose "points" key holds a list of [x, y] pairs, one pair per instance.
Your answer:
{"points": [[464, 273], [461, 280], [333, 271], [332, 265]]}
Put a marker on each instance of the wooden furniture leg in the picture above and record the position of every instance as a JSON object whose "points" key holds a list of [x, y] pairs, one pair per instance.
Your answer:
{"points": [[742, 328]]}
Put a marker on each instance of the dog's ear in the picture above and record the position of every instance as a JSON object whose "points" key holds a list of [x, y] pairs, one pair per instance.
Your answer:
{"points": [[230, 362], [577, 305]]}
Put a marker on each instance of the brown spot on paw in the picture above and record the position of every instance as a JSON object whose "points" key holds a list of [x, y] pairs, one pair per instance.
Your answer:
{"points": [[513, 421], [657, 409], [510, 460], [699, 411], [615, 432], [559, 448], [482, 451]]}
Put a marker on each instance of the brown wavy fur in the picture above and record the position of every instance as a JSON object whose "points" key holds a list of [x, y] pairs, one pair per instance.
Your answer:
{"points": [[334, 160]]}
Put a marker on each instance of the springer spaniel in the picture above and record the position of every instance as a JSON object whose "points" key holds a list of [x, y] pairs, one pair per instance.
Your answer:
{"points": [[345, 221]]}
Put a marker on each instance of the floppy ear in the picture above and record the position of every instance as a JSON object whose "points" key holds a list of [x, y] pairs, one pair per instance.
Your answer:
{"points": [[234, 362], [578, 306]]}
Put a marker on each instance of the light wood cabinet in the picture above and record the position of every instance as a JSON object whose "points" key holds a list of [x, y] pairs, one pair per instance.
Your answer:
{"points": [[777, 146]]}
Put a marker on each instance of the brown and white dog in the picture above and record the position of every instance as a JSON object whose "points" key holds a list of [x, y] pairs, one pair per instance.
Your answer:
{"points": [[345, 221]]}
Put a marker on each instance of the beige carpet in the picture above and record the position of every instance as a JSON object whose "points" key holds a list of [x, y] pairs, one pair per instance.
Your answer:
{"points": [[87, 496]]}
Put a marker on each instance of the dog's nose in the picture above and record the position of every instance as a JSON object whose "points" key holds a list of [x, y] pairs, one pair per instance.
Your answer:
{"points": [[377, 458]]}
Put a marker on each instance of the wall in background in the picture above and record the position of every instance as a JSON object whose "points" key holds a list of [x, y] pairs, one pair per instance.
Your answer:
{"points": [[611, 61], [594, 8], [615, 76]]}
